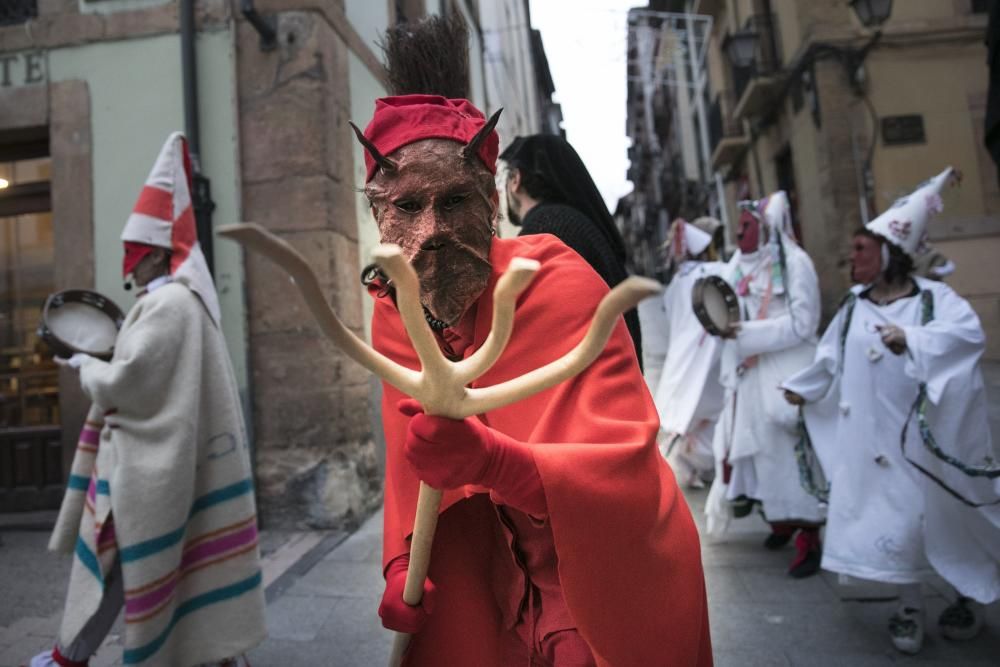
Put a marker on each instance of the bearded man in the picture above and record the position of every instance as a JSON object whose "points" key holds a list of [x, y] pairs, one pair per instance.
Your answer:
{"points": [[550, 191], [896, 411], [539, 554]]}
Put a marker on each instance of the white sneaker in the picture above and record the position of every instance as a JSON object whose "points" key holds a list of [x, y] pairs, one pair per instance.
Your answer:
{"points": [[694, 481], [906, 628], [961, 620]]}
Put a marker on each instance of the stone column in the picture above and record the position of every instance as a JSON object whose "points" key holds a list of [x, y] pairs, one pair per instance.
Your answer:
{"points": [[838, 205], [73, 226], [312, 430]]}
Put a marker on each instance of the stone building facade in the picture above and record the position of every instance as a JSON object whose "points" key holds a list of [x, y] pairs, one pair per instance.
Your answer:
{"points": [[89, 89], [846, 122]]}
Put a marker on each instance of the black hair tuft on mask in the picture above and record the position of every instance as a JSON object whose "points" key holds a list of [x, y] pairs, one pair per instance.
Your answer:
{"points": [[429, 57]]}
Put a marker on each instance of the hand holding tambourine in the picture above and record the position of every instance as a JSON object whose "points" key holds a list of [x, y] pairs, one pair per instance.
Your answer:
{"points": [[73, 362], [80, 323], [716, 306]]}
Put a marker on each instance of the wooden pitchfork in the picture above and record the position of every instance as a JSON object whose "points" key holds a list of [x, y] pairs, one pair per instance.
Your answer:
{"points": [[441, 385]]}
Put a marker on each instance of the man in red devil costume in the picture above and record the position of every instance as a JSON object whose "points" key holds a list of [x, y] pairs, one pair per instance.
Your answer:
{"points": [[562, 538]]}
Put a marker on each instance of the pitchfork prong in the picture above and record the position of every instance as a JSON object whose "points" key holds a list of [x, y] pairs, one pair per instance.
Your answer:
{"points": [[258, 239], [625, 296], [432, 362], [519, 274]]}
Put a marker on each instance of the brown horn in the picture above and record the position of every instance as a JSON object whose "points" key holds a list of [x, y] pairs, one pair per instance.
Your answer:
{"points": [[384, 163], [470, 149]]}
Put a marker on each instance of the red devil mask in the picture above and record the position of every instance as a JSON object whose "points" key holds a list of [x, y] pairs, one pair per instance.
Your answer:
{"points": [[431, 163]]}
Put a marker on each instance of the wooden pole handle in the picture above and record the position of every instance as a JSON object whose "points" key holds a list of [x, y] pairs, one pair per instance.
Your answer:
{"points": [[424, 525]]}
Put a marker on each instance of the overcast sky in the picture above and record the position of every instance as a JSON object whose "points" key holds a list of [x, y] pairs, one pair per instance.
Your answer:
{"points": [[585, 44]]}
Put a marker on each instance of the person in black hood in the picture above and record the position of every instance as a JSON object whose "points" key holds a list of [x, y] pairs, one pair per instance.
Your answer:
{"points": [[550, 191]]}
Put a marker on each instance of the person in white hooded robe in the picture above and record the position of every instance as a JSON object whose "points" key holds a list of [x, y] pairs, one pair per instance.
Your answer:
{"points": [[681, 361], [896, 411], [755, 439]]}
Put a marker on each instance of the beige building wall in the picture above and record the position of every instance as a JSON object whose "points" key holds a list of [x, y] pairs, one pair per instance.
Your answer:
{"points": [[946, 84]]}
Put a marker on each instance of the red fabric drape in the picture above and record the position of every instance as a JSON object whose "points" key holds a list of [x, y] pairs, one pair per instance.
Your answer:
{"points": [[629, 554]]}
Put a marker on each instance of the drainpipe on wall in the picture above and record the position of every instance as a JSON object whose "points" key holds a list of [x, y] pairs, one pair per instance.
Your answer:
{"points": [[477, 26], [201, 194]]}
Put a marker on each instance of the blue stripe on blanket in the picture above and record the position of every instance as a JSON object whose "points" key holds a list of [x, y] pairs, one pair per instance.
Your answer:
{"points": [[103, 487], [220, 495], [150, 547], [136, 655], [78, 483], [88, 558], [157, 544]]}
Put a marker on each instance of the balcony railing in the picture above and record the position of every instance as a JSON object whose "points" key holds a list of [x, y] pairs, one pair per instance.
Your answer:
{"points": [[725, 131], [767, 59], [17, 11]]}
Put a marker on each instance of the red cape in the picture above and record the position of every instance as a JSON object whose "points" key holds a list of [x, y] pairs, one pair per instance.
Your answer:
{"points": [[629, 555]]}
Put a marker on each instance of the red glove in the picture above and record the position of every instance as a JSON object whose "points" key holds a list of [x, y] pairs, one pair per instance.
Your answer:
{"points": [[448, 453], [394, 612]]}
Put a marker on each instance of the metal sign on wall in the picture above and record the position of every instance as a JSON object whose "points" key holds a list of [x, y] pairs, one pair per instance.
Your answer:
{"points": [[29, 68], [902, 130]]}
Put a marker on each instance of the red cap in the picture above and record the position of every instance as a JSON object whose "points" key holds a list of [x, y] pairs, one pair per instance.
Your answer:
{"points": [[134, 252], [403, 119]]}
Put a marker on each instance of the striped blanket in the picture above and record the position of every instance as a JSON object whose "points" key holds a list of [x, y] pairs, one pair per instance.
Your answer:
{"points": [[161, 483]]}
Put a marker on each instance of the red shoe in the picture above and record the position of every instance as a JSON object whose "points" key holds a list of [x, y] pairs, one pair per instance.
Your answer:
{"points": [[808, 554], [781, 534]]}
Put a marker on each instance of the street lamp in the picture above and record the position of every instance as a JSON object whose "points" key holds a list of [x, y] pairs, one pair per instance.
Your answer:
{"points": [[872, 13], [741, 47]]}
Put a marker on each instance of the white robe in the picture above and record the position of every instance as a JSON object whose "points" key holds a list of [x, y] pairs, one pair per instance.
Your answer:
{"points": [[682, 367], [758, 430], [887, 520], [167, 492]]}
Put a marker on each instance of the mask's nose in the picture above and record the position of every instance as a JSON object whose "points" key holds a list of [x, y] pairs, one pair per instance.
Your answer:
{"points": [[436, 242], [429, 233]]}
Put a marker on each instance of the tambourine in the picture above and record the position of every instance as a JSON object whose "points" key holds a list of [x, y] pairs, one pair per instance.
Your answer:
{"points": [[80, 321], [715, 304]]}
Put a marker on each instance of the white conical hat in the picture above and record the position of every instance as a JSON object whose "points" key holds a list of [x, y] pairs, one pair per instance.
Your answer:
{"points": [[164, 217], [687, 240], [707, 224], [905, 223]]}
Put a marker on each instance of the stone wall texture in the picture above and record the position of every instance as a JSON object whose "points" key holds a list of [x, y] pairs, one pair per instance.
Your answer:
{"points": [[312, 419]]}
